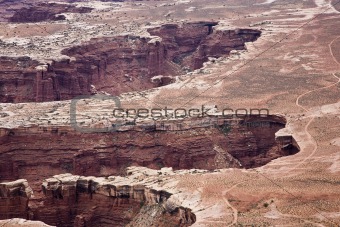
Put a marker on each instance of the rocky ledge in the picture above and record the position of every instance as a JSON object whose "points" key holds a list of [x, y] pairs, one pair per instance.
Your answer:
{"points": [[136, 200], [14, 198], [16, 222]]}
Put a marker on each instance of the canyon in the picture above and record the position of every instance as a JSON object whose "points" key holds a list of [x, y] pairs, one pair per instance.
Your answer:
{"points": [[67, 160], [114, 65], [240, 143], [119, 64], [97, 160]]}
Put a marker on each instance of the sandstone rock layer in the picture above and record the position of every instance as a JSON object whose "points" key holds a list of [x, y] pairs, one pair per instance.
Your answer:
{"points": [[36, 153], [119, 64], [78, 201]]}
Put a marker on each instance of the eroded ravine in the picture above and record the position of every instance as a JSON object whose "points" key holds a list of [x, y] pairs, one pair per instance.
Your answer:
{"points": [[202, 143], [246, 142], [119, 64]]}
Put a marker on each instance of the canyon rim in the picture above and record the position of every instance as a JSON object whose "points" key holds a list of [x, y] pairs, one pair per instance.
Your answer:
{"points": [[68, 67]]}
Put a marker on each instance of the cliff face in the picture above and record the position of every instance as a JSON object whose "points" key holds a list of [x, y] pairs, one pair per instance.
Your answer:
{"points": [[38, 153], [191, 44], [114, 65], [88, 201], [112, 201], [14, 198], [17, 79], [119, 64]]}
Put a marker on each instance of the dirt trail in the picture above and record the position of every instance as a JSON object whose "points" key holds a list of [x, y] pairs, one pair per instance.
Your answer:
{"points": [[318, 89], [234, 210], [330, 49], [311, 140]]}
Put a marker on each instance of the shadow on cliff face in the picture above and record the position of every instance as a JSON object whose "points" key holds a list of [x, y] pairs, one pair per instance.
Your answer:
{"points": [[78, 201], [120, 64], [190, 45], [37, 153]]}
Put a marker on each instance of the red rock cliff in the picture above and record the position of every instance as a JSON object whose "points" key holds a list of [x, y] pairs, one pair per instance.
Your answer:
{"points": [[14, 198], [38, 153], [118, 64], [88, 201]]}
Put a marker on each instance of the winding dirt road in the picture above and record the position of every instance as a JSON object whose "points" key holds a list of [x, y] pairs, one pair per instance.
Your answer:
{"points": [[310, 137], [234, 210]]}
